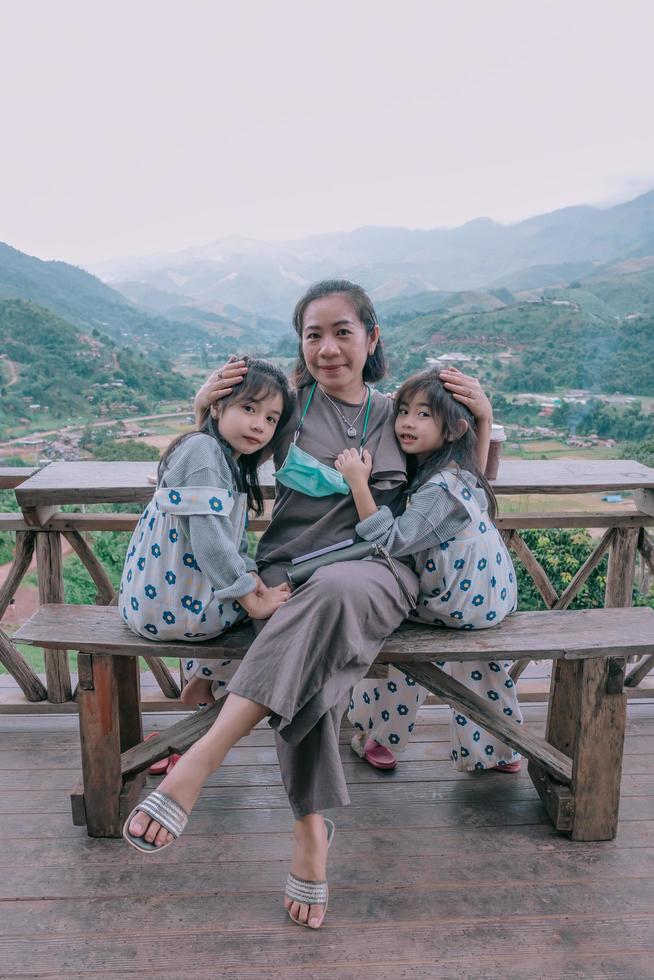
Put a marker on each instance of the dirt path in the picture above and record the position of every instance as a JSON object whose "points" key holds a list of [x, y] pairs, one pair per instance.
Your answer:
{"points": [[13, 371]]}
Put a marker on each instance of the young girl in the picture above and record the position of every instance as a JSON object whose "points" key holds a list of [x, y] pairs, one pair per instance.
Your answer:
{"points": [[467, 579], [187, 574]]}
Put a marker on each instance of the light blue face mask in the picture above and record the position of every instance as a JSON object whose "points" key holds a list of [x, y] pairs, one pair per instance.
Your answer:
{"points": [[304, 473]]}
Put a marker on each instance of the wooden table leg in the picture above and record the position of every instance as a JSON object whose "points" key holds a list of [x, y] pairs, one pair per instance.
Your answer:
{"points": [[51, 589], [100, 742], [126, 672]]}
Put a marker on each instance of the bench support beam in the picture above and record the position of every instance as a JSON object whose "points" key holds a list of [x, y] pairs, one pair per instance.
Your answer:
{"points": [[554, 762]]}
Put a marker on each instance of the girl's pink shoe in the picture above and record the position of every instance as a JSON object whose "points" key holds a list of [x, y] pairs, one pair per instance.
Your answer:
{"points": [[508, 767], [373, 753]]}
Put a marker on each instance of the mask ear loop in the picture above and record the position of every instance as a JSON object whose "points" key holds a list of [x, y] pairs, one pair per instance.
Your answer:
{"points": [[365, 421], [304, 413]]}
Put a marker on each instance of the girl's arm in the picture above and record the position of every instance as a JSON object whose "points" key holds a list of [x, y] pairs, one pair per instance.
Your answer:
{"points": [[434, 515], [469, 392], [356, 470]]}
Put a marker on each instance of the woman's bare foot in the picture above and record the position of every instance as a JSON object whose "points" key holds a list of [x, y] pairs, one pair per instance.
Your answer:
{"points": [[184, 782], [309, 862], [197, 691]]}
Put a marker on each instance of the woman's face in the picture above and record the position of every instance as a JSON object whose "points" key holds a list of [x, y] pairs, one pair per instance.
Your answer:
{"points": [[336, 344]]}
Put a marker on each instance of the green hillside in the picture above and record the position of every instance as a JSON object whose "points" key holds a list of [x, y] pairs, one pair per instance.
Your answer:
{"points": [[67, 371], [86, 302], [552, 346]]}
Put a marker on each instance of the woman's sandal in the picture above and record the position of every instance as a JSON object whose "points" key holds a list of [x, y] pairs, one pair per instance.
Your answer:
{"points": [[310, 892], [162, 808]]}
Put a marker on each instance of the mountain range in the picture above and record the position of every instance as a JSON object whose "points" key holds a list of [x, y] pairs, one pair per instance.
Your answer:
{"points": [[265, 278]]}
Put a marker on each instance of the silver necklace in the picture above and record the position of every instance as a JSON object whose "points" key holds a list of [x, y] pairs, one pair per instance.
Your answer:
{"points": [[350, 429]]}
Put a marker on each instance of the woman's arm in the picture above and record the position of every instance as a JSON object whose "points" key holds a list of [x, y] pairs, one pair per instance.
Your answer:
{"points": [[218, 384], [469, 392]]}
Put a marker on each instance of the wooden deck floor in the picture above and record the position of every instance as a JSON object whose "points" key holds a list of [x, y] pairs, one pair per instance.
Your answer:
{"points": [[433, 874]]}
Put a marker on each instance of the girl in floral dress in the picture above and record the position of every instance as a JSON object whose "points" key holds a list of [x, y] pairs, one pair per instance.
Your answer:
{"points": [[467, 579], [187, 575]]}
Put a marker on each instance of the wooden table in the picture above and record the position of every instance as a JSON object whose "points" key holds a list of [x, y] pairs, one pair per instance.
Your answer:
{"points": [[41, 496], [574, 683], [94, 483]]}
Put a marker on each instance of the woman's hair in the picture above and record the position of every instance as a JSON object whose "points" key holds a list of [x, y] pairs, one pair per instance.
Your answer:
{"points": [[262, 380], [461, 450], [375, 367]]}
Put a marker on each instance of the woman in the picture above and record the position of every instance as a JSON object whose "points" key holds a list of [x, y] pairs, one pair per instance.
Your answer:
{"points": [[305, 659]]}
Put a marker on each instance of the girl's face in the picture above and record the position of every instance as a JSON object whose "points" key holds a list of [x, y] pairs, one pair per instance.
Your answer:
{"points": [[336, 345], [418, 431], [248, 425]]}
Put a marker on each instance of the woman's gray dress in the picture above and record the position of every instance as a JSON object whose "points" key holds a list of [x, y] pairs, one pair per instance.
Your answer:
{"points": [[322, 641]]}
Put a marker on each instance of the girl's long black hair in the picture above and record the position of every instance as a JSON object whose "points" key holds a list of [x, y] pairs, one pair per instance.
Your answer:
{"points": [[461, 450], [262, 380]]}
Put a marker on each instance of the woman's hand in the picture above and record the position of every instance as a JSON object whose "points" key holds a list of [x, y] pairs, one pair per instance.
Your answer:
{"points": [[469, 392], [218, 384], [355, 468]]}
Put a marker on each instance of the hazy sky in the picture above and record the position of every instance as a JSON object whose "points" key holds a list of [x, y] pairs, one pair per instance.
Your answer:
{"points": [[148, 125]]}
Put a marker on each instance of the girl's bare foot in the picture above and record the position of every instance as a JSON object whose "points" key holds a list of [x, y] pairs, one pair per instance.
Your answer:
{"points": [[309, 862], [197, 691]]}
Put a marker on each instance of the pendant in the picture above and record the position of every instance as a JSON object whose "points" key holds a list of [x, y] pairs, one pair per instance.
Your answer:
{"points": [[351, 432]]}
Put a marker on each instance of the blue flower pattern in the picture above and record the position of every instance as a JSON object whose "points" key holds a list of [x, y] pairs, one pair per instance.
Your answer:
{"points": [[173, 598], [463, 585]]}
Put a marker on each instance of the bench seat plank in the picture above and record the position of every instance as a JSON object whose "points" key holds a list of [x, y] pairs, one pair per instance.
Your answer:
{"points": [[560, 634]]}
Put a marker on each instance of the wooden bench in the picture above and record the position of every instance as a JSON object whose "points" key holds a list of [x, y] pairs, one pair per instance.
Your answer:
{"points": [[576, 768]]}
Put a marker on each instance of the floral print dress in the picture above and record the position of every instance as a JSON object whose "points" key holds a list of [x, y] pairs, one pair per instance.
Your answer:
{"points": [[467, 582]]}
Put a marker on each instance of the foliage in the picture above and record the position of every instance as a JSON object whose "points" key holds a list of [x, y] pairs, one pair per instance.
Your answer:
{"points": [[641, 451], [110, 548], [68, 373], [561, 553], [607, 421]]}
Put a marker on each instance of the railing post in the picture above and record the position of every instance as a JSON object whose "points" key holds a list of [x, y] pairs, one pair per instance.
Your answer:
{"points": [[51, 589]]}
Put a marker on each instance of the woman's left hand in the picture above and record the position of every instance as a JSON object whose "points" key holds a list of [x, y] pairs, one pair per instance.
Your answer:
{"points": [[469, 392]]}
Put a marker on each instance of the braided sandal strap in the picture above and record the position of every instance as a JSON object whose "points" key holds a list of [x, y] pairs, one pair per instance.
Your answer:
{"points": [[306, 892], [165, 811]]}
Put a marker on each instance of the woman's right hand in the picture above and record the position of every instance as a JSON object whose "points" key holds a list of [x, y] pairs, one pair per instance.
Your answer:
{"points": [[219, 383], [262, 604]]}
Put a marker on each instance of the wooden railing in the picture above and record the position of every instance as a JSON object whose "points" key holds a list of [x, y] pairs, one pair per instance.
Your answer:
{"points": [[627, 539]]}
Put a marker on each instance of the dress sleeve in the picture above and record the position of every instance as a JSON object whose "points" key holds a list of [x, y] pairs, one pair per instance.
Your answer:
{"points": [[433, 517], [210, 536]]}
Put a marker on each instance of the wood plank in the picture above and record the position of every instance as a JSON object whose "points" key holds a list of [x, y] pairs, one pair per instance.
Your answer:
{"points": [[13, 522], [51, 589], [562, 476], [13, 661], [23, 552], [620, 517], [12, 476], [100, 744], [176, 738], [558, 634], [253, 933], [473, 706], [585, 571], [534, 569]]}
